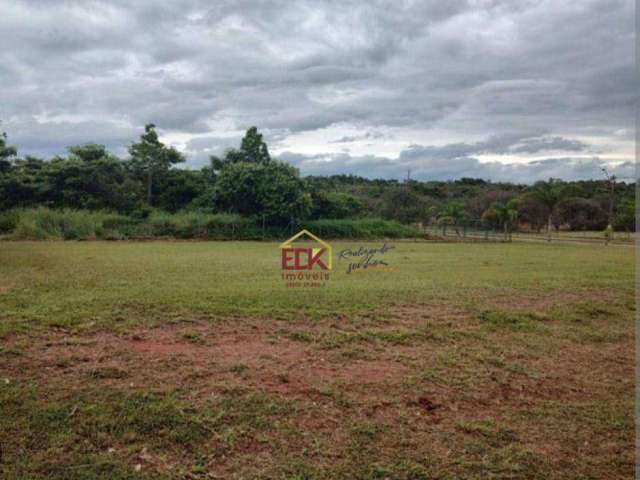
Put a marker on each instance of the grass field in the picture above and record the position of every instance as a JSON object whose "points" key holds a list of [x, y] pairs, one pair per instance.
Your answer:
{"points": [[193, 360]]}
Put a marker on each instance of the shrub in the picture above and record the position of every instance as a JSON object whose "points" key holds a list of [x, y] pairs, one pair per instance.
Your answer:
{"points": [[44, 223], [362, 228], [8, 221]]}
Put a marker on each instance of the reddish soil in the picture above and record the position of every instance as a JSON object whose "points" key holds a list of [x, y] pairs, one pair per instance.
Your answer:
{"points": [[426, 385]]}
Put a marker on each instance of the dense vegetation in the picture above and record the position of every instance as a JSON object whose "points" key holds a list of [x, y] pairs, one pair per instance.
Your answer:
{"points": [[247, 194]]}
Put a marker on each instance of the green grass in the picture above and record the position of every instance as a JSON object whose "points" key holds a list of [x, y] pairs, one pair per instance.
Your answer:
{"points": [[103, 284], [102, 432], [459, 361]]}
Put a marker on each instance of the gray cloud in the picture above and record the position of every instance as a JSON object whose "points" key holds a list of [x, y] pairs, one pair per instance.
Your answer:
{"points": [[421, 168], [355, 138], [531, 77]]}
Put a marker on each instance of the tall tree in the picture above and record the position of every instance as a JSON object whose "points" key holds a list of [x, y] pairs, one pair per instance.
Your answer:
{"points": [[6, 153], [89, 152], [252, 149], [452, 213], [549, 194], [152, 158], [271, 191], [506, 214]]}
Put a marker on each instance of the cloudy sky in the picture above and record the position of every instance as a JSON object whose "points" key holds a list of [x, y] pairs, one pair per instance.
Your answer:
{"points": [[497, 89]]}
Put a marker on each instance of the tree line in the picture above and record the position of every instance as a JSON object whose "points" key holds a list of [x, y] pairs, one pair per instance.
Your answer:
{"points": [[249, 182]]}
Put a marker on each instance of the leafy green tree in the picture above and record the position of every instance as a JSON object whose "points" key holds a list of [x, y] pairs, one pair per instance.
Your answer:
{"points": [[252, 149], [549, 194], [90, 177], [403, 205], [625, 218], [178, 188], [581, 214], [89, 152], [335, 205], [151, 159], [452, 213], [7, 152], [272, 191], [23, 184], [531, 211], [503, 214]]}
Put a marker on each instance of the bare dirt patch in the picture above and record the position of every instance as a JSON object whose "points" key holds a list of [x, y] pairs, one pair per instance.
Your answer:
{"points": [[251, 354], [427, 378]]}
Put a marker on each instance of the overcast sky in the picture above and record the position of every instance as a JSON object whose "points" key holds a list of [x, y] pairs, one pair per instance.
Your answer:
{"points": [[502, 90]]}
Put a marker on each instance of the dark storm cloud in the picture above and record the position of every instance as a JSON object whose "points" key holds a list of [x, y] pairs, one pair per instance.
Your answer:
{"points": [[531, 77]]}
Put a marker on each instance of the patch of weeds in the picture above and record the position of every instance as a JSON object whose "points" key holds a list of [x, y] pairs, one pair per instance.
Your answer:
{"points": [[36, 428], [433, 375], [500, 362], [588, 311], [89, 467], [251, 412], [365, 430], [400, 336], [193, 337], [336, 393], [239, 369], [593, 311], [603, 416], [510, 461], [293, 469], [456, 369], [298, 336], [356, 352], [10, 352], [494, 434], [108, 373], [405, 336], [143, 416], [598, 335], [517, 368], [370, 469], [63, 362], [527, 322]]}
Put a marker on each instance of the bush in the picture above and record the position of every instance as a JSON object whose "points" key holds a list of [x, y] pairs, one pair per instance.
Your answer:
{"points": [[369, 228], [335, 205], [8, 221], [44, 223], [201, 225]]}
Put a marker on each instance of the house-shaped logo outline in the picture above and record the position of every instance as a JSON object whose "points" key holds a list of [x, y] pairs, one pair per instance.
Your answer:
{"points": [[287, 244]]}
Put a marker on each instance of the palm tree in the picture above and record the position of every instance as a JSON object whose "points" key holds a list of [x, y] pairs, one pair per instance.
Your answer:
{"points": [[452, 213], [549, 193], [506, 215]]}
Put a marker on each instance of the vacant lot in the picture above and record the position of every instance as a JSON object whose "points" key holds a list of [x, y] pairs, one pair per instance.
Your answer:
{"points": [[193, 360]]}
